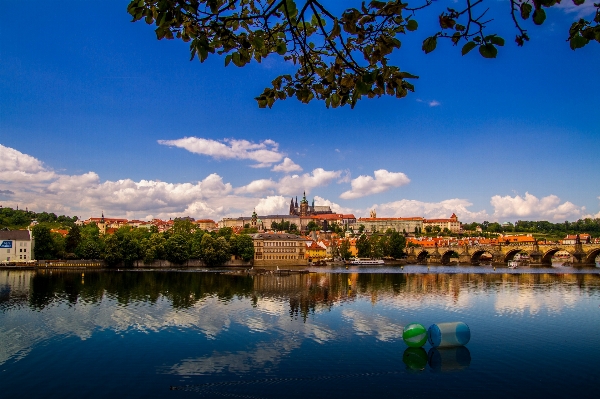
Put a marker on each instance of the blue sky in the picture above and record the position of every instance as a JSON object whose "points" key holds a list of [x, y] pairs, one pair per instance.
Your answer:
{"points": [[93, 110]]}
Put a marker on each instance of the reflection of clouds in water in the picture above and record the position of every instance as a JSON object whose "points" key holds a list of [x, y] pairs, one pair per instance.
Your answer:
{"points": [[365, 324], [409, 301], [20, 331], [265, 355], [275, 308], [519, 301]]}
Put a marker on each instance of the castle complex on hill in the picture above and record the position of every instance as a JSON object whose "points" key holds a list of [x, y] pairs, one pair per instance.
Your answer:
{"points": [[305, 210]]}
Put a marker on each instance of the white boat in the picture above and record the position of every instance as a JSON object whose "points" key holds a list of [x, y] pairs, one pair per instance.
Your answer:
{"points": [[366, 261], [513, 264]]}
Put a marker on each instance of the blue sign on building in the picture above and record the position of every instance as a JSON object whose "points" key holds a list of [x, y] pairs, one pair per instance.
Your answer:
{"points": [[6, 244]]}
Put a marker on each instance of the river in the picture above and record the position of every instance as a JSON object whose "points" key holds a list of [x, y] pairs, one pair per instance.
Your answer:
{"points": [[330, 333]]}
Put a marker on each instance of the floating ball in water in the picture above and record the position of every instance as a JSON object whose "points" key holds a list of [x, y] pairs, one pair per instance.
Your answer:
{"points": [[414, 335], [445, 335]]}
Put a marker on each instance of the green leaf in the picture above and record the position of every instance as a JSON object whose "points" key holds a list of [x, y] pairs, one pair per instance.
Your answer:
{"points": [[429, 44], [227, 59], [578, 2], [497, 40], [412, 25], [362, 87], [468, 47], [281, 48], [526, 10], [407, 75], [235, 57], [539, 16], [577, 42], [488, 50]]}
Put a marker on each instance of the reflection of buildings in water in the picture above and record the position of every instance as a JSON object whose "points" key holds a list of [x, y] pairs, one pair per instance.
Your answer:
{"points": [[14, 285], [305, 292]]}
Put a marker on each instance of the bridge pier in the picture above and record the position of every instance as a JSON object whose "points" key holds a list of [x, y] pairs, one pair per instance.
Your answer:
{"points": [[434, 258]]}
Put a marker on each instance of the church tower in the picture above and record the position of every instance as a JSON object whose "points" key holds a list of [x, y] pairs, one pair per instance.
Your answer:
{"points": [[304, 206], [254, 220], [292, 208], [102, 224]]}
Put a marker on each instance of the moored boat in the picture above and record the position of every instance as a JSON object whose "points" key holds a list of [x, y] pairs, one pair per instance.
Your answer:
{"points": [[366, 261]]}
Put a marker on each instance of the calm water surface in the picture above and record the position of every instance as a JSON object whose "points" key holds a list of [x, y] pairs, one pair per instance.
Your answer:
{"points": [[335, 333]]}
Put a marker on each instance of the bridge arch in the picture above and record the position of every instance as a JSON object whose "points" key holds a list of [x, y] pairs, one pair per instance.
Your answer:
{"points": [[547, 257], [447, 255], [511, 254], [475, 257], [590, 257], [422, 257]]}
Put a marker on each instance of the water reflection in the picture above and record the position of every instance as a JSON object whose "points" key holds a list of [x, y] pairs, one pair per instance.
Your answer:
{"points": [[304, 293], [297, 335], [449, 359], [415, 359]]}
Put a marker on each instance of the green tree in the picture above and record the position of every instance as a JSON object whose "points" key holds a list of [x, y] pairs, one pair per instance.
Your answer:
{"points": [[312, 226], [183, 226], [196, 244], [44, 244], [378, 245], [154, 248], [177, 249], [396, 245], [131, 249], [215, 251], [73, 239], [225, 232], [242, 245], [89, 249], [112, 250], [340, 58], [345, 249], [363, 246]]}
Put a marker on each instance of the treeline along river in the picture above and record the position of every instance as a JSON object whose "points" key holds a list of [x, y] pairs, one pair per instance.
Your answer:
{"points": [[211, 334]]}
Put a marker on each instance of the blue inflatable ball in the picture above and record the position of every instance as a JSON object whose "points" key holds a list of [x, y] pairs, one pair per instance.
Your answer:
{"points": [[414, 335]]}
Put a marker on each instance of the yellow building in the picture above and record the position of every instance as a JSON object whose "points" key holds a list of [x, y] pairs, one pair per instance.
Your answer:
{"points": [[315, 252], [279, 249]]}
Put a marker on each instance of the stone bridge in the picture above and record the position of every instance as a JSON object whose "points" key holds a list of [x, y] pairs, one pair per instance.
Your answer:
{"points": [[539, 254]]}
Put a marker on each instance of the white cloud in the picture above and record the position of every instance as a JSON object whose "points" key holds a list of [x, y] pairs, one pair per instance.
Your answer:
{"points": [[257, 186], [434, 103], [18, 167], [287, 166], [531, 207], [383, 181], [265, 153], [584, 10], [272, 205], [430, 210], [87, 195], [320, 201], [290, 185]]}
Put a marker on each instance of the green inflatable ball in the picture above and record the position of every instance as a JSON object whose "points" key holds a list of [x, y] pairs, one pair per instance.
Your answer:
{"points": [[414, 335]]}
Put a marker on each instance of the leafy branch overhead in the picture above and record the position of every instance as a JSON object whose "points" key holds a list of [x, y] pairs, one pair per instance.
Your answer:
{"points": [[340, 58]]}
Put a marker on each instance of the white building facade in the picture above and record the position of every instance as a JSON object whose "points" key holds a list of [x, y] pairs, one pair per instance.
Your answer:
{"points": [[16, 246]]}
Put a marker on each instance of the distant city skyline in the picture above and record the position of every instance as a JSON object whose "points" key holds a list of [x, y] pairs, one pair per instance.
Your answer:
{"points": [[97, 115]]}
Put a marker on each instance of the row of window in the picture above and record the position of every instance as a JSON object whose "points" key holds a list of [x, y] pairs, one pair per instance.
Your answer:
{"points": [[280, 257], [279, 244]]}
